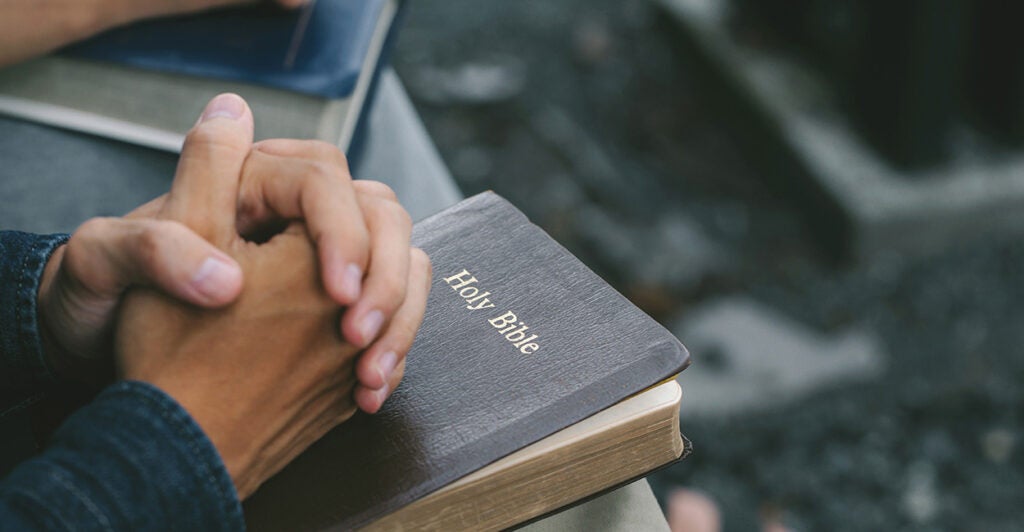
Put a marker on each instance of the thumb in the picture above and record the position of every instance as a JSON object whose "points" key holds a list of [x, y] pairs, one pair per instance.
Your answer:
{"points": [[203, 195], [106, 255]]}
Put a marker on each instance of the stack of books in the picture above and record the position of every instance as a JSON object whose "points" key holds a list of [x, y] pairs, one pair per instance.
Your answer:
{"points": [[306, 75]]}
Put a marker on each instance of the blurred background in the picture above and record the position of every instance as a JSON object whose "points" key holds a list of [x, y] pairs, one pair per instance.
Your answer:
{"points": [[821, 198]]}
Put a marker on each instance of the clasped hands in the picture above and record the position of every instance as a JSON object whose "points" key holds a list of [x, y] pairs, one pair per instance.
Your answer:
{"points": [[267, 292]]}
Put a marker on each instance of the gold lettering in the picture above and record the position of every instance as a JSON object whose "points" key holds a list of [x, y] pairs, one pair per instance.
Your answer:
{"points": [[503, 320], [508, 324], [483, 302], [523, 341], [459, 276], [517, 334]]}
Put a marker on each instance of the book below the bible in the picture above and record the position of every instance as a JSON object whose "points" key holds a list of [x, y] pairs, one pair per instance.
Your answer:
{"points": [[306, 75], [532, 384]]}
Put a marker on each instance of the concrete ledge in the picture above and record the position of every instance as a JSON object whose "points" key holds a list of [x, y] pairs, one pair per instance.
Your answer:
{"points": [[854, 201]]}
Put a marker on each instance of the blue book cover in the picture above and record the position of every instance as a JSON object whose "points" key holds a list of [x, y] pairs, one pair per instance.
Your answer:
{"points": [[253, 45]]}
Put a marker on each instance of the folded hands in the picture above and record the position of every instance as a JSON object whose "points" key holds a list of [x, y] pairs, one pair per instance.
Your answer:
{"points": [[268, 293]]}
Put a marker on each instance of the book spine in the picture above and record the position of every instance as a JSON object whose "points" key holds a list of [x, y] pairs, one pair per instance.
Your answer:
{"points": [[357, 146]]}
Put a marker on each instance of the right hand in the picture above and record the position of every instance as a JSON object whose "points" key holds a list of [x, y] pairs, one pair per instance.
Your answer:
{"points": [[265, 377], [268, 375]]}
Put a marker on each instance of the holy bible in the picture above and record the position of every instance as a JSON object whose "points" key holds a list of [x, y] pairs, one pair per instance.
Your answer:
{"points": [[532, 384]]}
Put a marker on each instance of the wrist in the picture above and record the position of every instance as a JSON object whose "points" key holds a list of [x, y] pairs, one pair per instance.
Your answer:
{"points": [[54, 356], [55, 321], [112, 13], [119, 12], [96, 16]]}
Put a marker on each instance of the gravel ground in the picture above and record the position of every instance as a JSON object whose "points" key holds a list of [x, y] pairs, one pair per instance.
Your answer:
{"points": [[579, 112]]}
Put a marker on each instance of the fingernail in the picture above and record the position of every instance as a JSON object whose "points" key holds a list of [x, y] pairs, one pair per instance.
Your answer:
{"points": [[371, 325], [382, 394], [352, 281], [386, 366], [224, 106], [216, 278]]}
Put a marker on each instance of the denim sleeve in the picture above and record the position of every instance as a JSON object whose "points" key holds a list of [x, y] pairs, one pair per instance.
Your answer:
{"points": [[133, 459], [22, 259]]}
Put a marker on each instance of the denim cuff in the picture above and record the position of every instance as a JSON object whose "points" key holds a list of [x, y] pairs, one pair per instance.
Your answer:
{"points": [[133, 459], [23, 257]]}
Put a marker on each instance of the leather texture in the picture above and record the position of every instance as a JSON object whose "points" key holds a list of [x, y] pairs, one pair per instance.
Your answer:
{"points": [[251, 45], [469, 395]]}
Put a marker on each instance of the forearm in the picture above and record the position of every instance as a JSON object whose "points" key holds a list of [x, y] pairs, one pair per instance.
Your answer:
{"points": [[131, 460], [32, 27]]}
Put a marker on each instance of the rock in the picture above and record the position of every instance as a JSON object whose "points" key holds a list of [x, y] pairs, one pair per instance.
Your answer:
{"points": [[748, 357], [998, 445], [597, 170], [592, 41], [472, 163], [484, 81], [678, 253], [669, 253], [920, 500]]}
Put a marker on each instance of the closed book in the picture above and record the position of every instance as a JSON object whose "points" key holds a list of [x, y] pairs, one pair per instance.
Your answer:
{"points": [[306, 74], [520, 341]]}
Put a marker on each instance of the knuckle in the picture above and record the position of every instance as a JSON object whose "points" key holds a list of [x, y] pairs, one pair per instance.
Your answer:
{"points": [[92, 230], [376, 188], [401, 216], [360, 242], [85, 239], [420, 261], [403, 334], [399, 372], [391, 295], [329, 152], [321, 174], [212, 137], [200, 135], [322, 149], [149, 240], [396, 378], [270, 146]]}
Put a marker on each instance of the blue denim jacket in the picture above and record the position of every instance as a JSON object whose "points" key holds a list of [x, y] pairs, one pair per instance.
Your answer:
{"points": [[132, 459]]}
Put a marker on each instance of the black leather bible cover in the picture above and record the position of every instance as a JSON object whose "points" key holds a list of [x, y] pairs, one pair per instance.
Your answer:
{"points": [[479, 383]]}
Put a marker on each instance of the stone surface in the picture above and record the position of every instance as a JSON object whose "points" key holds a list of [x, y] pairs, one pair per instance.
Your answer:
{"points": [[748, 358], [920, 500], [669, 250], [481, 81], [858, 203], [840, 457]]}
